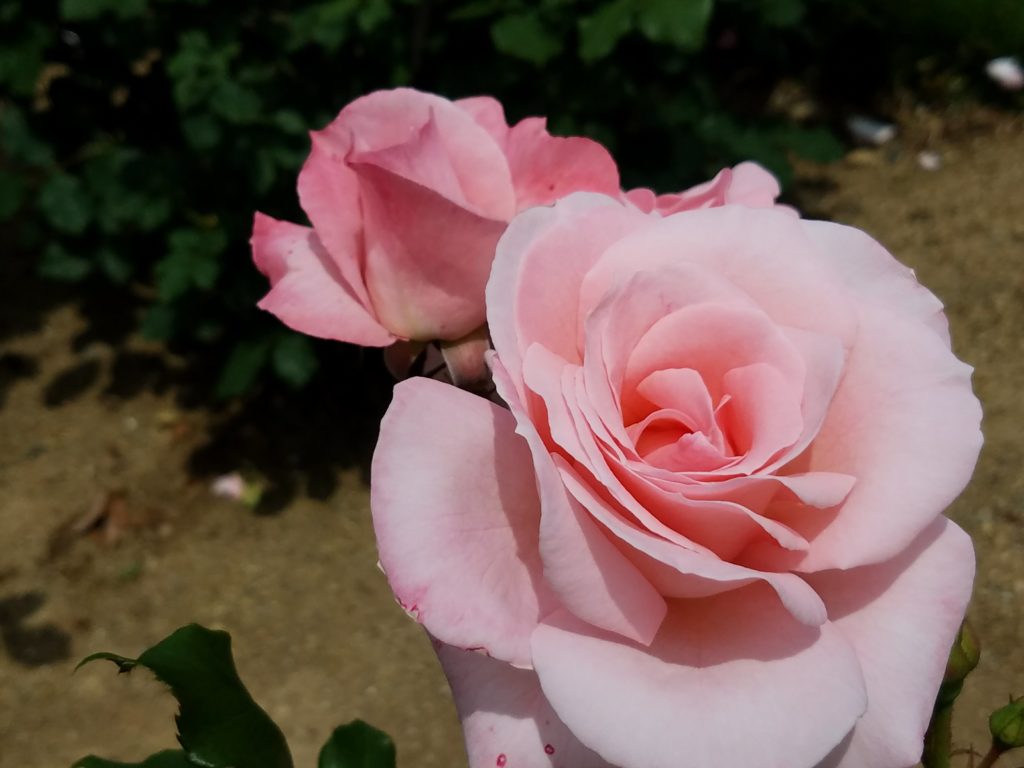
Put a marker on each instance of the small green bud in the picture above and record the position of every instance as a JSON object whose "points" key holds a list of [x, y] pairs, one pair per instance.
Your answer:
{"points": [[1007, 725], [963, 658]]}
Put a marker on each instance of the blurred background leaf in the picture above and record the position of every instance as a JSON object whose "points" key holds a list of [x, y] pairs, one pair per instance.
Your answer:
{"points": [[137, 137]]}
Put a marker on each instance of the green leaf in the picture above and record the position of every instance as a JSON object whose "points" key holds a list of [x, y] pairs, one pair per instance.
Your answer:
{"points": [[202, 132], [193, 260], [21, 61], [523, 36], [65, 204], [59, 264], [12, 192], [357, 745], [244, 364], [601, 31], [114, 265], [289, 121], [782, 13], [219, 724], [236, 103], [159, 322], [681, 23], [818, 145], [85, 10], [294, 359], [170, 758], [17, 140]]}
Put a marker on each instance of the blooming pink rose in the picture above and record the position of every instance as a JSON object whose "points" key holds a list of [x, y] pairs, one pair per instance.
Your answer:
{"points": [[408, 194], [707, 529], [747, 184]]}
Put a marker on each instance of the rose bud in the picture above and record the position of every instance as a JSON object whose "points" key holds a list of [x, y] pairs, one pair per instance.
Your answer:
{"points": [[1007, 725]]}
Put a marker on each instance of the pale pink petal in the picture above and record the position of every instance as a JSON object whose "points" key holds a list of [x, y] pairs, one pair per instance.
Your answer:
{"points": [[546, 168], [427, 259], [506, 721], [681, 571], [590, 576], [489, 115], [329, 194], [456, 516], [905, 423], [752, 186], [901, 617], [764, 253], [729, 681], [545, 306], [308, 293], [873, 276]]}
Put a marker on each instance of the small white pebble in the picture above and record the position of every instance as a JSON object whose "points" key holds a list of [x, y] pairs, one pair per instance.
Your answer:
{"points": [[868, 130], [929, 161], [1007, 72]]}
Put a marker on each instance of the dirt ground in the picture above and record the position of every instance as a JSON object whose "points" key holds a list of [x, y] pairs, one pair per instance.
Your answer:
{"points": [[112, 537]]}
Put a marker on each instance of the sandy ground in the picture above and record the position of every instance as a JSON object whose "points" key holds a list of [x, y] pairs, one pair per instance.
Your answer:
{"points": [[318, 638]]}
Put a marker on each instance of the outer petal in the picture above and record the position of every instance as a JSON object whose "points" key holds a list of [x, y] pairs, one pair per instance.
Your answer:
{"points": [[752, 186], [546, 168], [308, 293], [456, 514], [427, 259], [729, 681], [871, 274], [489, 115], [901, 617], [506, 720], [905, 423]]}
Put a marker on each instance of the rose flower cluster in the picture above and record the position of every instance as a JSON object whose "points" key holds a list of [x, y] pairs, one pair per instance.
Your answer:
{"points": [[695, 517]]}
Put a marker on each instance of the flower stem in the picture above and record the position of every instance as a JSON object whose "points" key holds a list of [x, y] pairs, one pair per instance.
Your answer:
{"points": [[938, 740], [989, 760]]}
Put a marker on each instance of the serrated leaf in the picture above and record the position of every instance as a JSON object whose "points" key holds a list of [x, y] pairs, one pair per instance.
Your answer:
{"points": [[525, 37], [57, 263], [170, 758], [219, 724], [681, 23], [601, 31], [65, 204], [357, 745], [294, 359], [244, 364]]}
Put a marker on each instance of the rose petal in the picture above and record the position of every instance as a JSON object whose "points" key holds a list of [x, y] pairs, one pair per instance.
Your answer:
{"points": [[456, 516], [427, 259], [506, 721], [869, 272], [308, 293], [545, 167], [905, 423], [590, 576], [488, 113], [719, 686], [526, 248], [901, 617]]}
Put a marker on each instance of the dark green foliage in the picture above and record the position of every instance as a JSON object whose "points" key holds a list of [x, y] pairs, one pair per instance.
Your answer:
{"points": [[357, 745], [219, 724], [137, 137]]}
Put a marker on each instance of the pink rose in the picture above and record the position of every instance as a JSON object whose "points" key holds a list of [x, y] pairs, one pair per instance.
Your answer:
{"points": [[747, 184], [408, 194], [707, 530]]}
